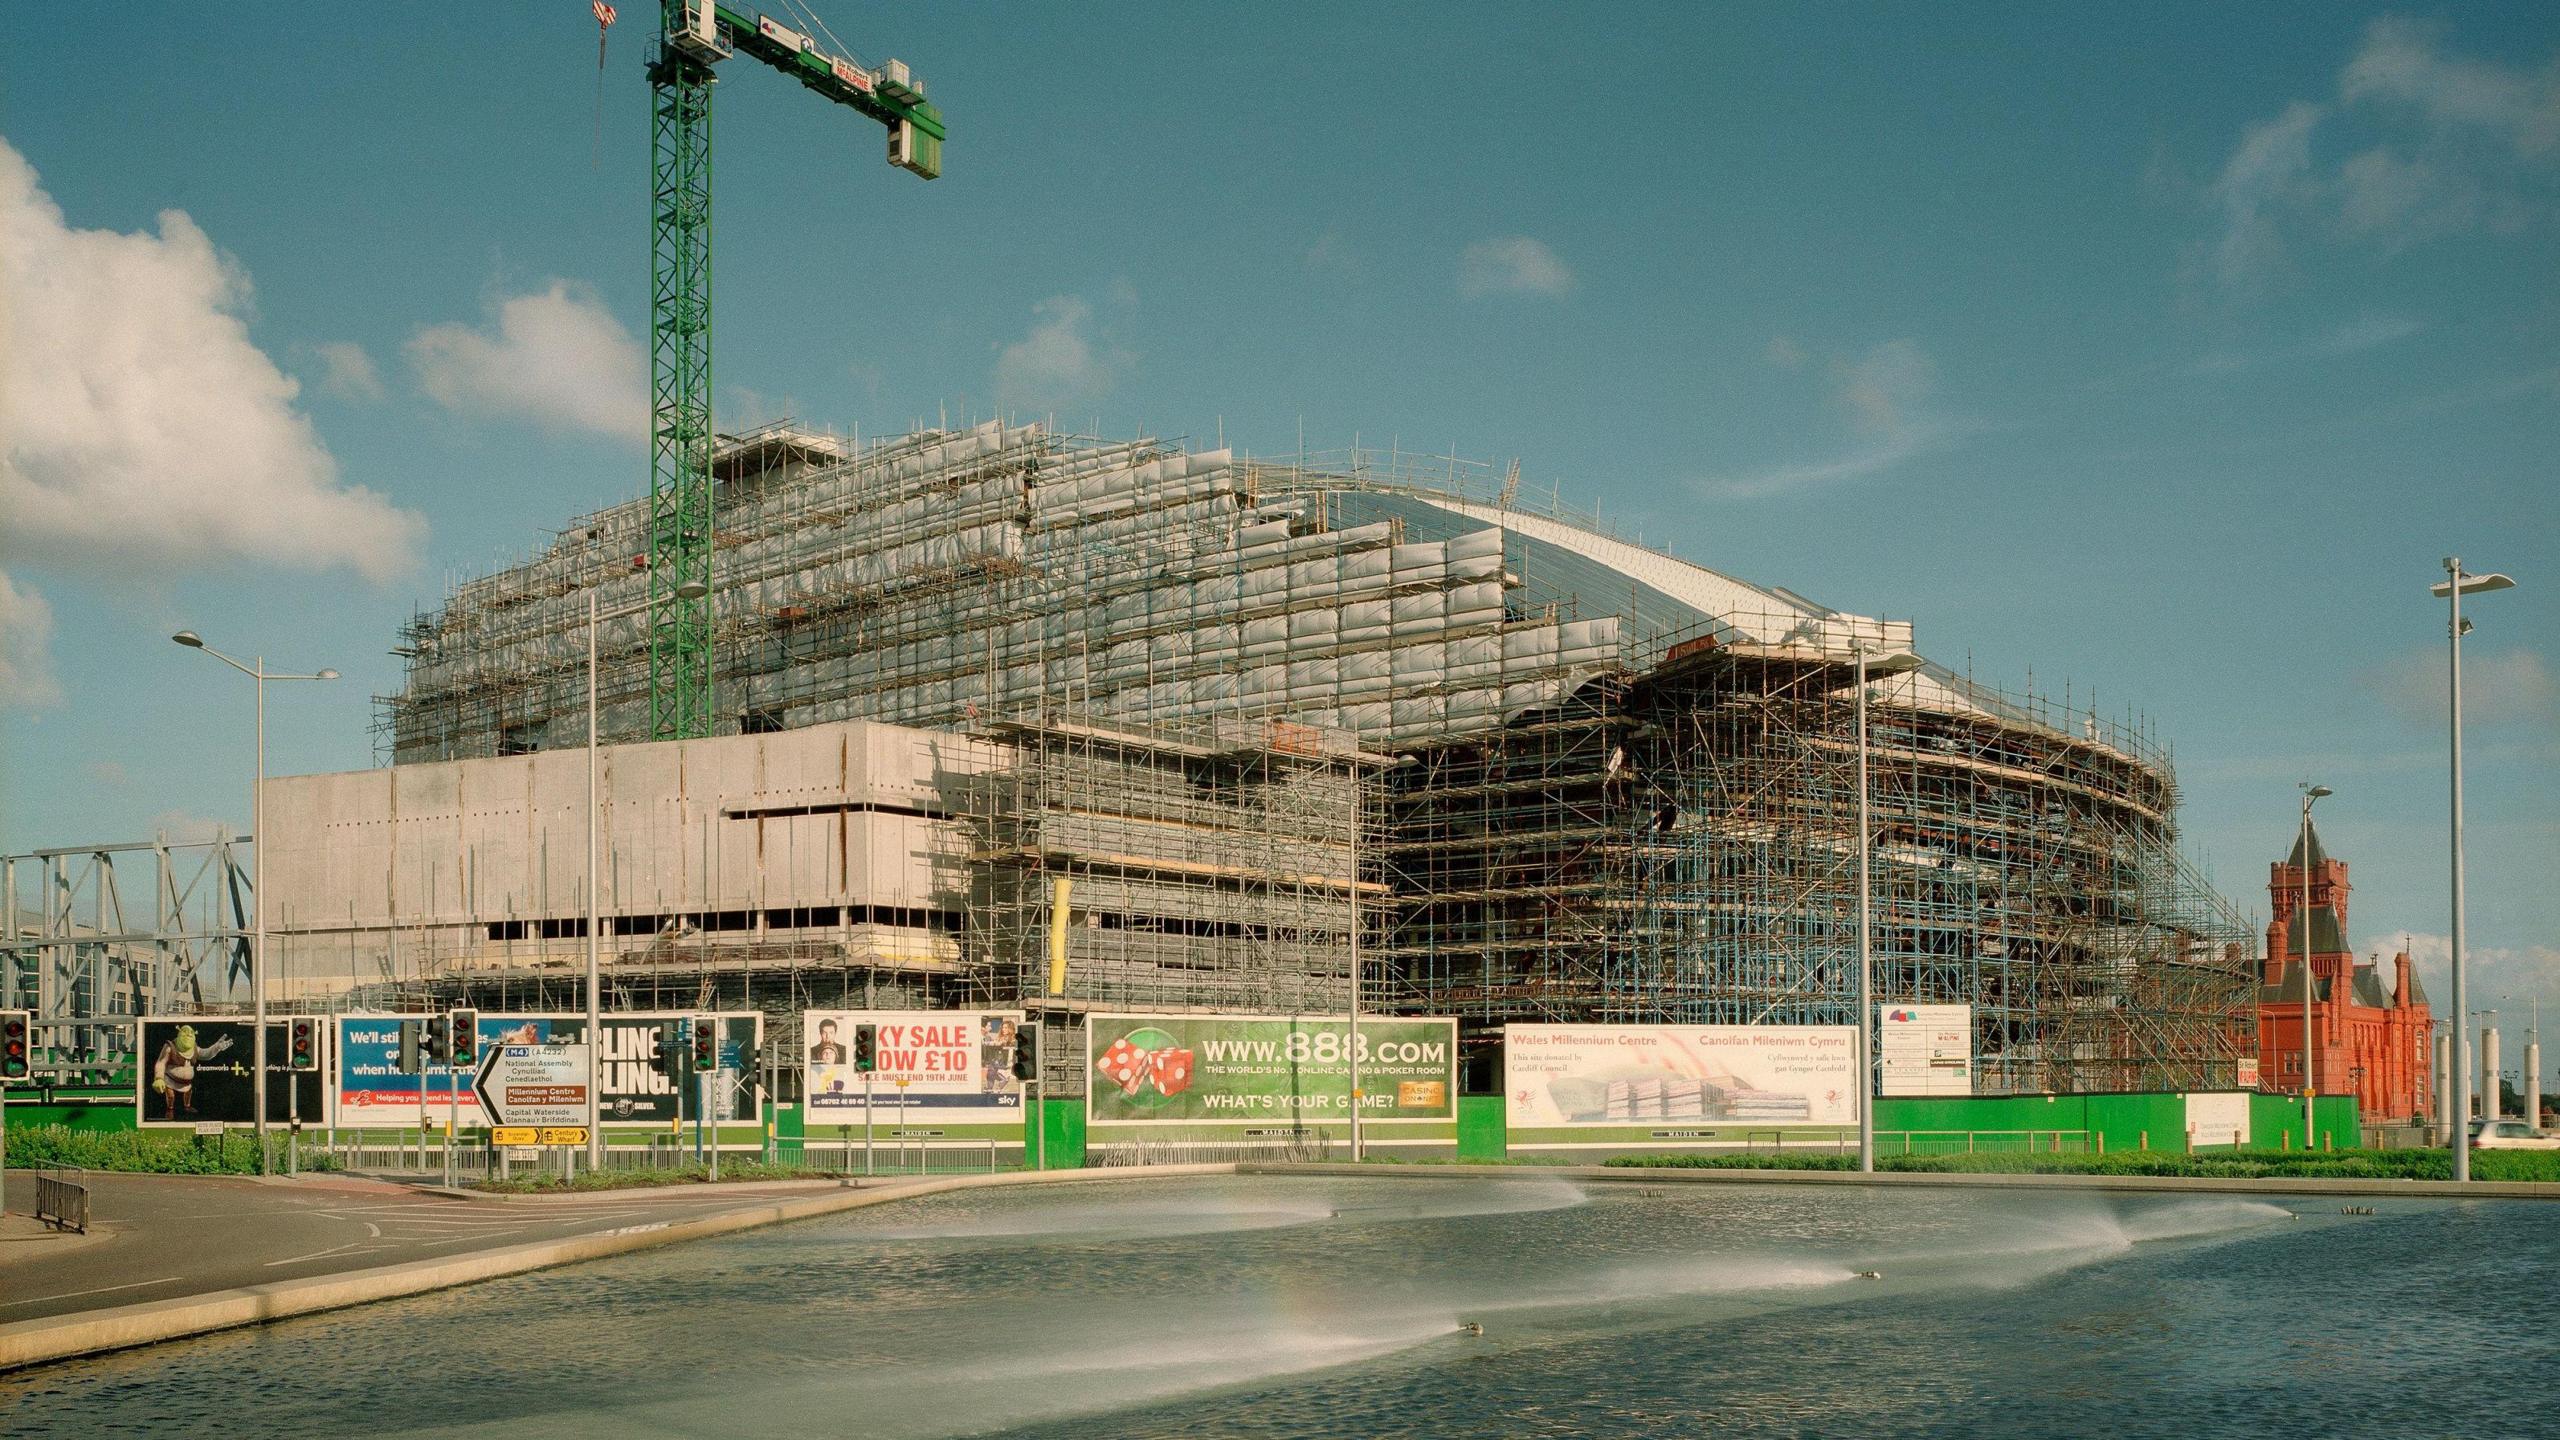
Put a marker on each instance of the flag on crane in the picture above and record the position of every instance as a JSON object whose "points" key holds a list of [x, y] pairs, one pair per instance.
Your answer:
{"points": [[604, 15]]}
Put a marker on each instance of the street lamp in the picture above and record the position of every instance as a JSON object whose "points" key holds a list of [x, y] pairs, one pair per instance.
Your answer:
{"points": [[689, 590], [256, 670], [1892, 663], [2453, 587], [2310, 794]]}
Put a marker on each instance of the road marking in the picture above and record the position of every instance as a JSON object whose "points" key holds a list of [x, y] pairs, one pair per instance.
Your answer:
{"points": [[458, 1239], [101, 1290], [315, 1255]]}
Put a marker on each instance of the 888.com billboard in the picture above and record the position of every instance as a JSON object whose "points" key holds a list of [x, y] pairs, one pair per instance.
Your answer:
{"points": [[1250, 1078]]}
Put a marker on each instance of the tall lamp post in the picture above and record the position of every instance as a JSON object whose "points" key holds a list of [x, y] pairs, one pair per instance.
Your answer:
{"points": [[1893, 663], [2453, 587], [2311, 794], [690, 590], [257, 671]]}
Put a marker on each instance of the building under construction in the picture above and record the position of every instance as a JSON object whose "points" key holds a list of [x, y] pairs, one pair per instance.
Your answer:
{"points": [[1274, 724]]}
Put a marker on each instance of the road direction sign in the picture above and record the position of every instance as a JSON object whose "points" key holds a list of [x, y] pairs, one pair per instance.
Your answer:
{"points": [[564, 1135], [513, 1135], [541, 1085]]}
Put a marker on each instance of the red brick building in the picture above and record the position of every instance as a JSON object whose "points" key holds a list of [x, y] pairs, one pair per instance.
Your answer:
{"points": [[2367, 1041]]}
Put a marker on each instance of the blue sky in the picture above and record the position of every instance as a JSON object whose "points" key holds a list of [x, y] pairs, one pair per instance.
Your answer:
{"points": [[2165, 352]]}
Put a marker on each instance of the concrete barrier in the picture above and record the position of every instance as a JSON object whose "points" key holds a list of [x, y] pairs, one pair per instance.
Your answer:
{"points": [[61, 1337]]}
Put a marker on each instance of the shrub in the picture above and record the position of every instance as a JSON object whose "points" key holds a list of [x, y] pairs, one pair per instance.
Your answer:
{"points": [[149, 1151]]}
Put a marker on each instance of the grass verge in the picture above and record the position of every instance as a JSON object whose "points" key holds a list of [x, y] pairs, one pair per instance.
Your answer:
{"points": [[147, 1151]]}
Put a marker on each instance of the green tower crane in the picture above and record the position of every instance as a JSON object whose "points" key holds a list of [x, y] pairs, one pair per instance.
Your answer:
{"points": [[696, 36]]}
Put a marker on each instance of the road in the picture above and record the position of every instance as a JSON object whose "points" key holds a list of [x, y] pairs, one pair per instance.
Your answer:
{"points": [[158, 1237]]}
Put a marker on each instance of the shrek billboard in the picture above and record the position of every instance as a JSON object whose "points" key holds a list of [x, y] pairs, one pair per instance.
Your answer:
{"points": [[1254, 1079]]}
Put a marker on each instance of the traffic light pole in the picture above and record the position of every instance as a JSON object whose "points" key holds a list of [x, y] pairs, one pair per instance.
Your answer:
{"points": [[710, 1079], [866, 1123]]}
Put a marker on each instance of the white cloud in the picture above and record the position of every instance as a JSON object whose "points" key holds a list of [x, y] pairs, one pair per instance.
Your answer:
{"points": [[2465, 144], [138, 424], [1066, 360], [349, 372], [1333, 253], [1512, 265], [2498, 688], [2514, 973], [1887, 395], [26, 648], [2400, 63], [2270, 170], [2365, 332], [556, 357]]}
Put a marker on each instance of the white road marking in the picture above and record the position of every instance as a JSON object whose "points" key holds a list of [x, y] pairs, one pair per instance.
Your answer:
{"points": [[315, 1255], [101, 1290], [458, 1239]]}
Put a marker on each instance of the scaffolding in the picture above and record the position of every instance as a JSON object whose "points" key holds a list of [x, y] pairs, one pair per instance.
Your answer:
{"points": [[1204, 867], [1627, 792], [1679, 844], [105, 933]]}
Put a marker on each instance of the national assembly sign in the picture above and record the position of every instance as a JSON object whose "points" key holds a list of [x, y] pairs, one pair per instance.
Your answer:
{"points": [[1669, 1087], [1277, 1078]]}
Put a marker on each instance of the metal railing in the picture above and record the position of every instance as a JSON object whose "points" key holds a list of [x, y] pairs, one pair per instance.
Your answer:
{"points": [[472, 1159], [62, 1200]]}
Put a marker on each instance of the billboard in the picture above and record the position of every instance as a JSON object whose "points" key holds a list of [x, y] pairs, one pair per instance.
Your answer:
{"points": [[934, 1070], [374, 1092], [1678, 1086], [1269, 1077], [1925, 1049], [197, 1070]]}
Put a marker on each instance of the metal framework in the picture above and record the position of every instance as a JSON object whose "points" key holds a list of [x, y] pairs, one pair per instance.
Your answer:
{"points": [[78, 945], [680, 504], [1679, 843]]}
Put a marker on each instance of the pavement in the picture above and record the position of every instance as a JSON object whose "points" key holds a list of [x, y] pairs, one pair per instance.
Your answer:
{"points": [[157, 1237]]}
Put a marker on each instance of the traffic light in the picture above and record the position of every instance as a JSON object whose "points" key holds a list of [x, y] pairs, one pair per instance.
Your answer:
{"points": [[668, 1052], [464, 1029], [302, 1043], [17, 1045], [751, 1067], [866, 1048], [411, 1033], [435, 1041], [706, 1044], [1026, 1050]]}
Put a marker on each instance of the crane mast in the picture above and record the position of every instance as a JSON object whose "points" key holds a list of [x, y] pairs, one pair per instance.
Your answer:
{"points": [[696, 35]]}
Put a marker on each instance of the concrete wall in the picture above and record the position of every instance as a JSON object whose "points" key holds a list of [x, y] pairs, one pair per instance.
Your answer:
{"points": [[446, 849]]}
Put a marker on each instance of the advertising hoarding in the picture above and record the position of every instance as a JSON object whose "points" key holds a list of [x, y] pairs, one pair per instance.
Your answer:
{"points": [[1244, 1078], [374, 1093], [196, 1069], [1678, 1086], [945, 1071], [1925, 1049]]}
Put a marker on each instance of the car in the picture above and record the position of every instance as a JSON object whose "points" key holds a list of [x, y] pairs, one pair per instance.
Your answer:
{"points": [[2511, 1135]]}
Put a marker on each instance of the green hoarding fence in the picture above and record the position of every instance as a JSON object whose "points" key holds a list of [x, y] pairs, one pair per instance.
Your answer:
{"points": [[1481, 1128]]}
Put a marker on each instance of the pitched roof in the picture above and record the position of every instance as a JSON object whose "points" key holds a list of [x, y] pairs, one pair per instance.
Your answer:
{"points": [[2326, 936], [2289, 988], [2310, 833], [2417, 992], [2368, 989]]}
